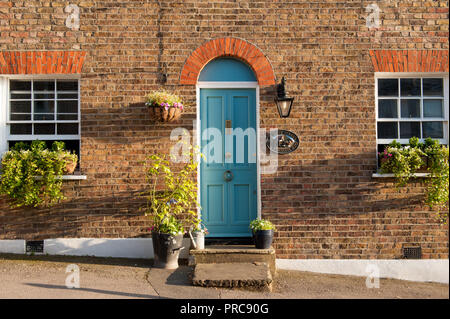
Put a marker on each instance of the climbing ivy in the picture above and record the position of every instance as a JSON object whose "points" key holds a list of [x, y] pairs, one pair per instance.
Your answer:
{"points": [[31, 174], [405, 160]]}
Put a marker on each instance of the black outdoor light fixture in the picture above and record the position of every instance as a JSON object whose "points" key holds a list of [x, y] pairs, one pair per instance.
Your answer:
{"points": [[284, 103]]}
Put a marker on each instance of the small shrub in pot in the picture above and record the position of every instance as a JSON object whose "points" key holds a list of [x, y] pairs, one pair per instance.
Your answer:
{"points": [[263, 231]]}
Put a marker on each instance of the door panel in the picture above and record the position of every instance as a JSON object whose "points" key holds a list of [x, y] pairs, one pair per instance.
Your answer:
{"points": [[215, 212], [241, 203], [228, 206]]}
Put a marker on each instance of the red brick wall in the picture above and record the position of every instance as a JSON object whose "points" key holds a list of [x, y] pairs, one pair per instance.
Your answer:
{"points": [[323, 198]]}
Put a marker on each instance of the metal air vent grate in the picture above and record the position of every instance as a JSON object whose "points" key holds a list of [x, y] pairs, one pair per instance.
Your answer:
{"points": [[412, 252], [35, 246]]}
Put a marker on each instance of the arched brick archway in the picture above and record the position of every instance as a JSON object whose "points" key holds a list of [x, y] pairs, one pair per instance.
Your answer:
{"points": [[233, 47]]}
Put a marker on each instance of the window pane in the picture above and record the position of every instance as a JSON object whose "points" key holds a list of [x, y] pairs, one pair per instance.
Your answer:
{"points": [[44, 106], [432, 108], [387, 108], [432, 129], [409, 129], [68, 129], [387, 87], [21, 96], [44, 129], [387, 130], [20, 129], [67, 106], [67, 95], [68, 117], [410, 108], [67, 85], [16, 85], [433, 87], [410, 87], [20, 106], [44, 117], [44, 96], [44, 85], [20, 117]]}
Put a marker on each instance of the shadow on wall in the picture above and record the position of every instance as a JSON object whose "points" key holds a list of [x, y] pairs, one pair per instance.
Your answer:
{"points": [[114, 216], [298, 194]]}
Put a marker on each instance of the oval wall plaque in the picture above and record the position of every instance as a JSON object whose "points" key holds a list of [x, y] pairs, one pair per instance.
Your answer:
{"points": [[286, 141]]}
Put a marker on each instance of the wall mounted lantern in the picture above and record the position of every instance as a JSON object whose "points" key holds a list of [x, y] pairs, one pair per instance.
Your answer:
{"points": [[284, 103]]}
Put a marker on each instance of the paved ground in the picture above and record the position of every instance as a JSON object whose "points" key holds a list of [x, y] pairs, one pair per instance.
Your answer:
{"points": [[45, 277]]}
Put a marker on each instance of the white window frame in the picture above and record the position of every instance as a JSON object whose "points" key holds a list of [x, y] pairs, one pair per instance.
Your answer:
{"points": [[403, 75], [5, 137]]}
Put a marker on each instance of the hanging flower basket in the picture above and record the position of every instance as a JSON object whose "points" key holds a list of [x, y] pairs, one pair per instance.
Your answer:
{"points": [[164, 106]]}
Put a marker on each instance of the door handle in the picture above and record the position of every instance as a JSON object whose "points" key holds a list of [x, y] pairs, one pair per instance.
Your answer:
{"points": [[228, 176]]}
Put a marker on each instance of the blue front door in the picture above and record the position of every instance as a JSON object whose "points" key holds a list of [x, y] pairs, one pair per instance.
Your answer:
{"points": [[228, 176]]}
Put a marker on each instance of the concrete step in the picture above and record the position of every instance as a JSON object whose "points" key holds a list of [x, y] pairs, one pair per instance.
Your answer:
{"points": [[234, 254], [254, 276]]}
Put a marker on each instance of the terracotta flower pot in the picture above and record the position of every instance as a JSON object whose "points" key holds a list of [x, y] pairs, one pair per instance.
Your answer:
{"points": [[160, 114], [70, 166]]}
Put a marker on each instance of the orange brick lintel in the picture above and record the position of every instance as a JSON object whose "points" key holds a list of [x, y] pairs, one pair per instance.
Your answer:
{"points": [[41, 62], [234, 47], [409, 60]]}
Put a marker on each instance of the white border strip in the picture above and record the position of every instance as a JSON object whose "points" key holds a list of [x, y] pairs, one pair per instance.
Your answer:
{"points": [[12, 246], [107, 247], [424, 270]]}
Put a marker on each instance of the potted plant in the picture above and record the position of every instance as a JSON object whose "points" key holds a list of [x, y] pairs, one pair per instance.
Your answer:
{"points": [[167, 239], [197, 234], [31, 175], [431, 157], [69, 159], [262, 233], [402, 160], [164, 106], [171, 197]]}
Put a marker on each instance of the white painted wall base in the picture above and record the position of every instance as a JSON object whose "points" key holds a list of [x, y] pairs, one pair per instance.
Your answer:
{"points": [[106, 247], [99, 247], [425, 270], [13, 246]]}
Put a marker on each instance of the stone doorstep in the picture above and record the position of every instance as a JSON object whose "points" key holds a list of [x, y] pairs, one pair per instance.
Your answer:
{"points": [[233, 254], [232, 249], [253, 276]]}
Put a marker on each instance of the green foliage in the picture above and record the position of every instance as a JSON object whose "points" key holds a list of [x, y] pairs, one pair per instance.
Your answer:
{"points": [[404, 161], [31, 174], [437, 188], [172, 193], [261, 224]]}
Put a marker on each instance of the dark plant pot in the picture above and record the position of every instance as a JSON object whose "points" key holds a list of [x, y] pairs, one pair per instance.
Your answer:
{"points": [[166, 250], [263, 238]]}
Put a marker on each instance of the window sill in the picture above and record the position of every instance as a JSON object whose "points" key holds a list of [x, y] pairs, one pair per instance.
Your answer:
{"points": [[74, 177], [390, 175]]}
